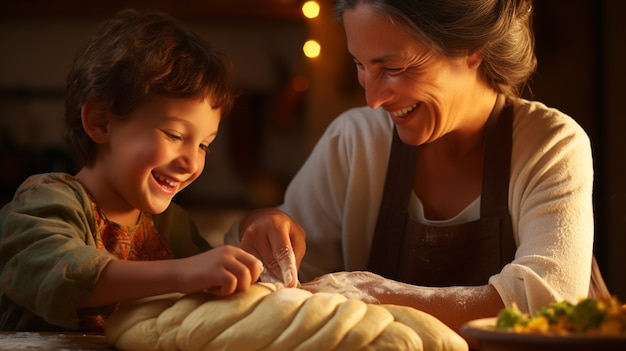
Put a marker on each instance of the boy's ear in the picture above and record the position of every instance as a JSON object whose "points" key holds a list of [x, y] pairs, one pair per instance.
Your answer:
{"points": [[474, 59], [95, 116]]}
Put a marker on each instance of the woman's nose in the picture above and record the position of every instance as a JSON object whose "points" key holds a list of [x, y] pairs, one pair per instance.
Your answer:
{"points": [[376, 92]]}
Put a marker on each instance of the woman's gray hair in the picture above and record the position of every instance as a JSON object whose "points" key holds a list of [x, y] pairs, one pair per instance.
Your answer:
{"points": [[501, 30]]}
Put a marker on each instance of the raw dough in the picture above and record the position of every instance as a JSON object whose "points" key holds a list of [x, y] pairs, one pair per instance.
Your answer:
{"points": [[271, 317]]}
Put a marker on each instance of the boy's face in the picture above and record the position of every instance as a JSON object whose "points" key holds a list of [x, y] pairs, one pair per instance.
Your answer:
{"points": [[156, 152]]}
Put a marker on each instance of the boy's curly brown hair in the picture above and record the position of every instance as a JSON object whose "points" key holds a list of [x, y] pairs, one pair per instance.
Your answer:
{"points": [[137, 54]]}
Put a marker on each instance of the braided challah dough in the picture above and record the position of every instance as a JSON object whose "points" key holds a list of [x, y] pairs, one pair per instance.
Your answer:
{"points": [[270, 317]]}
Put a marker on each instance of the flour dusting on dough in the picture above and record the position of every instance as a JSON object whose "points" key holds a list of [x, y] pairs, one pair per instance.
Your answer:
{"points": [[292, 294], [341, 284]]}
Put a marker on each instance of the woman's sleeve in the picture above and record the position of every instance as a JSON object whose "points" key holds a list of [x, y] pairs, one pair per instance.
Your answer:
{"points": [[314, 198], [336, 194], [550, 199]]}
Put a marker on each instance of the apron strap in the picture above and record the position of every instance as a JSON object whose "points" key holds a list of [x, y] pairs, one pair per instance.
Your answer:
{"points": [[493, 203], [390, 226]]}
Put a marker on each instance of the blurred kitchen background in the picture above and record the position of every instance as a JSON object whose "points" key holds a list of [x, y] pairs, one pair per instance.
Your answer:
{"points": [[287, 98]]}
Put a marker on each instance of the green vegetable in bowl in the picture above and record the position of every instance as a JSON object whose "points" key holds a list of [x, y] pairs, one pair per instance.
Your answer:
{"points": [[509, 317], [588, 316]]}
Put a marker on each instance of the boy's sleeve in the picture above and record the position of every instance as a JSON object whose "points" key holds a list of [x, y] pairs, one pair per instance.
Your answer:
{"points": [[49, 261]]}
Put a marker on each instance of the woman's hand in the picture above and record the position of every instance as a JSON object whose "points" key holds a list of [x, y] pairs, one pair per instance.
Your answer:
{"points": [[276, 239], [454, 305]]}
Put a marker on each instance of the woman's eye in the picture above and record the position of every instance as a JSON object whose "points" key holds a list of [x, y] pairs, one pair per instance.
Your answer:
{"points": [[205, 148], [393, 70]]}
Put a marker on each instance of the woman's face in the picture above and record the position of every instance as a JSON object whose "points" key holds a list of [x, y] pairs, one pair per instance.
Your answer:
{"points": [[427, 95]]}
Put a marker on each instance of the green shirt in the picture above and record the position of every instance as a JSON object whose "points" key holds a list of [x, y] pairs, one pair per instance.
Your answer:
{"points": [[52, 251]]}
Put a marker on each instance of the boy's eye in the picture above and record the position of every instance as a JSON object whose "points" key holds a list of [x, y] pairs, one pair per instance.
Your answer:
{"points": [[172, 136]]}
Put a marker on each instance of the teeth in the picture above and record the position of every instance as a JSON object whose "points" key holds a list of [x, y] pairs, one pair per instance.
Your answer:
{"points": [[404, 111], [165, 180]]}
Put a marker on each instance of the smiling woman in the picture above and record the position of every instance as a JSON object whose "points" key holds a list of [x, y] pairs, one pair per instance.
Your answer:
{"points": [[448, 184]]}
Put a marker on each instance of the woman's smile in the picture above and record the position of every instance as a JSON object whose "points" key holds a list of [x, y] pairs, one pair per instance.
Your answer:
{"points": [[403, 112], [404, 115]]}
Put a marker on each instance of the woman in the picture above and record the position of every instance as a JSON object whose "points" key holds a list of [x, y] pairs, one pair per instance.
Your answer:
{"points": [[458, 197]]}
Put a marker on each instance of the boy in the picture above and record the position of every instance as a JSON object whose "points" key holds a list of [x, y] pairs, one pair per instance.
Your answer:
{"points": [[144, 102]]}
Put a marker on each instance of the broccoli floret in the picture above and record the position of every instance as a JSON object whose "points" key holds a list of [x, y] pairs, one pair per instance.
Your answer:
{"points": [[556, 311], [509, 317], [586, 315]]}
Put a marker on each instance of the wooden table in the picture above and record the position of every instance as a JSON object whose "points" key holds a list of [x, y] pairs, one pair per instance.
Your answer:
{"points": [[10, 341]]}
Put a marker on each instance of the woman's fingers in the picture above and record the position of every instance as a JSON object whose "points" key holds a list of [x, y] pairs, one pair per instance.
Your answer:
{"points": [[271, 235]]}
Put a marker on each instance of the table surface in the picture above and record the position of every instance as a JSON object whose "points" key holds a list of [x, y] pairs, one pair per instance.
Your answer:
{"points": [[52, 341]]}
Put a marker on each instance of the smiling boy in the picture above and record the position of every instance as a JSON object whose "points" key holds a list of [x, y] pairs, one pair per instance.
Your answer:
{"points": [[144, 101]]}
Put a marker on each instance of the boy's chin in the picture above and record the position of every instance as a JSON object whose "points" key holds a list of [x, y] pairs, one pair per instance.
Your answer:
{"points": [[158, 208]]}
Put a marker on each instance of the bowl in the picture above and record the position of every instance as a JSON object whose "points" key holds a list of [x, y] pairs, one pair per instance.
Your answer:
{"points": [[490, 339]]}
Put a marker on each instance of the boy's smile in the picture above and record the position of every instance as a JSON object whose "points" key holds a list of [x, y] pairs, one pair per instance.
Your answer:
{"points": [[168, 185]]}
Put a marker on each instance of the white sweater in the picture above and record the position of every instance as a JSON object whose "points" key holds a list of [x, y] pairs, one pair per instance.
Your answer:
{"points": [[336, 196]]}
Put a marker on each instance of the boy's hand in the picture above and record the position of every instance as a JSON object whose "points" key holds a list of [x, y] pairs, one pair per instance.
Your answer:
{"points": [[221, 271]]}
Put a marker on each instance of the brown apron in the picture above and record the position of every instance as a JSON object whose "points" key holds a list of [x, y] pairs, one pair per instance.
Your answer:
{"points": [[465, 254]]}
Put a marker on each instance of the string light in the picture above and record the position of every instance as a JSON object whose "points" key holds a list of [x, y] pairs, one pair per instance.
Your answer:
{"points": [[311, 9], [311, 48]]}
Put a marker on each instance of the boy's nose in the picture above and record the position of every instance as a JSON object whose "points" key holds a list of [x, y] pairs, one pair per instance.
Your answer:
{"points": [[188, 161]]}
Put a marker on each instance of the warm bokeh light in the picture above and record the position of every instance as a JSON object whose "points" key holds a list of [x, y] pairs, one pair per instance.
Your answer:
{"points": [[311, 9], [311, 48]]}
